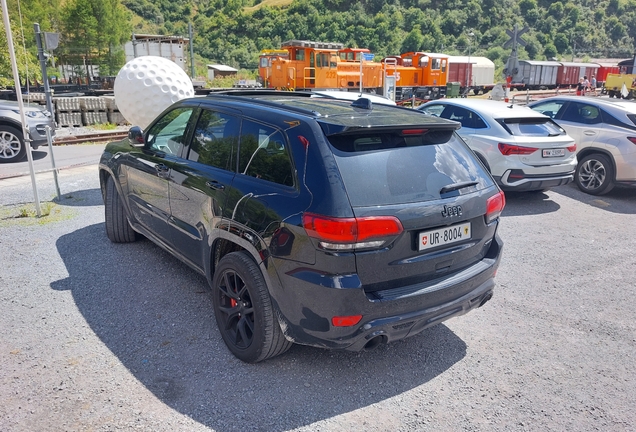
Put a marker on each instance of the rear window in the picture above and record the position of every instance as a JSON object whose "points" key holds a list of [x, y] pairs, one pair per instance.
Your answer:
{"points": [[541, 127], [385, 168]]}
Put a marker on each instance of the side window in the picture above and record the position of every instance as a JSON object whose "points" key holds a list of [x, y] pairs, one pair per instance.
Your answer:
{"points": [[215, 140], [478, 122], [459, 114], [549, 108], [610, 119], [264, 154], [433, 109], [169, 133], [582, 113]]}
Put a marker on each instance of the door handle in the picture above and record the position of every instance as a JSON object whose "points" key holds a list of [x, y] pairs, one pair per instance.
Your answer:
{"points": [[213, 184], [162, 170], [589, 133]]}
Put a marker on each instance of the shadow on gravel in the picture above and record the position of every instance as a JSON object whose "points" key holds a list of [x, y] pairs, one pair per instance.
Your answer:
{"points": [[155, 315], [621, 199], [81, 198], [528, 203]]}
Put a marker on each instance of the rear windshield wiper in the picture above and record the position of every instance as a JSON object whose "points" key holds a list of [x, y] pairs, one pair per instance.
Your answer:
{"points": [[456, 186]]}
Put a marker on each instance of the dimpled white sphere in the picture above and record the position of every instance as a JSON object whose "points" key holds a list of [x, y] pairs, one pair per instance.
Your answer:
{"points": [[147, 85]]}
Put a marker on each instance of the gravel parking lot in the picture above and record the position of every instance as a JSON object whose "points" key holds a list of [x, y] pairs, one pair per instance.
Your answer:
{"points": [[98, 336]]}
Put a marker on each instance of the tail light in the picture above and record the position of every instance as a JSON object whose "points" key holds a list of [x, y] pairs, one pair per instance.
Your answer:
{"points": [[509, 149], [572, 148], [494, 206], [632, 139], [346, 234]]}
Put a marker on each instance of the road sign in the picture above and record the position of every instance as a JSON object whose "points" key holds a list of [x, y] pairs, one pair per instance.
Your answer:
{"points": [[515, 37], [368, 56]]}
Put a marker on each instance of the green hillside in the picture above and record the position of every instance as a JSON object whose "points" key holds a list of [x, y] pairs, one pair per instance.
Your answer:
{"points": [[233, 32]]}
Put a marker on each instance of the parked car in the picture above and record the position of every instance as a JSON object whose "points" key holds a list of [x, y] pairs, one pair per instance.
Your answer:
{"points": [[316, 221], [605, 134], [523, 150], [12, 148]]}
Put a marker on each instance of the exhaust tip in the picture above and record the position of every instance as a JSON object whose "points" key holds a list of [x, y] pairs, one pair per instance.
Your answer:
{"points": [[486, 299], [375, 342]]}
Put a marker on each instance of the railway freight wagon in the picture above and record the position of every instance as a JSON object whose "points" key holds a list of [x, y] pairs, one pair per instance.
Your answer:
{"points": [[537, 75], [603, 70], [476, 74], [569, 74]]}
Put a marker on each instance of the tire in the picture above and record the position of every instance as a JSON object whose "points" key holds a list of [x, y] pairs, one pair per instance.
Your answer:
{"points": [[595, 174], [118, 228], [244, 311], [12, 148]]}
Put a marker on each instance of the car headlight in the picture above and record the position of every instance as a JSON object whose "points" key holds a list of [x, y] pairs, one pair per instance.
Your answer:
{"points": [[33, 114]]}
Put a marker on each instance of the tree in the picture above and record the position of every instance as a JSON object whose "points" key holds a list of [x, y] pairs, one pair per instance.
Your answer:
{"points": [[549, 51], [94, 33], [413, 41]]}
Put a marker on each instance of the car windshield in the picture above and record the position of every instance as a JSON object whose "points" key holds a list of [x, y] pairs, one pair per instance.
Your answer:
{"points": [[531, 126]]}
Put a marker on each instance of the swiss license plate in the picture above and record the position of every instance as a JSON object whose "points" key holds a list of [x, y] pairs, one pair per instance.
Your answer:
{"points": [[553, 152], [444, 236]]}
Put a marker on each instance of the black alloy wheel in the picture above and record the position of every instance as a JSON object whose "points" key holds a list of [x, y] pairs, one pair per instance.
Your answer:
{"points": [[244, 311], [595, 174]]}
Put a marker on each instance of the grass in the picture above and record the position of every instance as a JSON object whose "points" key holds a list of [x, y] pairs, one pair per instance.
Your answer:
{"points": [[26, 214], [104, 126]]}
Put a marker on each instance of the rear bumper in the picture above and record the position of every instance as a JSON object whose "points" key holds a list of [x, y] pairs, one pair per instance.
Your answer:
{"points": [[517, 180], [310, 301]]}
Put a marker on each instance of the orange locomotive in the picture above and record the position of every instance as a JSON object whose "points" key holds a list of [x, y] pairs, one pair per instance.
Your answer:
{"points": [[302, 65]]}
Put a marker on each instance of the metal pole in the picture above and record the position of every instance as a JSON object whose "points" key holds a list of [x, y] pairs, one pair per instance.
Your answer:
{"points": [[49, 139], [45, 78], [18, 92], [360, 73], [49, 103], [190, 33]]}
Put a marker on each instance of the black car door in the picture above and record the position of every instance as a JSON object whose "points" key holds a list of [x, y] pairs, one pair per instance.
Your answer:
{"points": [[201, 183], [149, 171]]}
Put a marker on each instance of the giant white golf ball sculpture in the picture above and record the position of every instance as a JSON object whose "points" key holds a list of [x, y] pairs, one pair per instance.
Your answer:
{"points": [[147, 85]]}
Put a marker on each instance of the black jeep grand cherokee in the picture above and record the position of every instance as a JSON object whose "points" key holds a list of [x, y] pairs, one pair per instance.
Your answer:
{"points": [[316, 221]]}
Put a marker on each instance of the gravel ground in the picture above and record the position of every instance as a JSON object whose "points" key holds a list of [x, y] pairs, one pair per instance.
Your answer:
{"points": [[99, 336]]}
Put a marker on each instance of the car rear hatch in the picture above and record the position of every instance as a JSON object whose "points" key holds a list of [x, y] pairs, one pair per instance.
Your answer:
{"points": [[429, 180], [536, 141]]}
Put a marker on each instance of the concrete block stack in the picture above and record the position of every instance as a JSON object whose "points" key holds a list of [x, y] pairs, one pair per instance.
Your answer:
{"points": [[93, 110], [114, 116], [68, 111]]}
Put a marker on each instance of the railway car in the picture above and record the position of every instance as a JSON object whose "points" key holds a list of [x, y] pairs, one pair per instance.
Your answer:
{"points": [[476, 74], [536, 75], [569, 73], [603, 70]]}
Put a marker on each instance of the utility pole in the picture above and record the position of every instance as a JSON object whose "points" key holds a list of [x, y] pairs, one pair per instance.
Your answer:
{"points": [[190, 34]]}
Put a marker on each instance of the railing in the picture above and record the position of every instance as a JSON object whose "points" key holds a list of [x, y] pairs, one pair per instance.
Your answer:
{"points": [[532, 95]]}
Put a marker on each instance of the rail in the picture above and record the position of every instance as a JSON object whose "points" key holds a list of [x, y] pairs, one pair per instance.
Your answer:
{"points": [[99, 137]]}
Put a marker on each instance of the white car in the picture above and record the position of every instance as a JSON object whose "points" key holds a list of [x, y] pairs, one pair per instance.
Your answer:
{"points": [[605, 131], [524, 150]]}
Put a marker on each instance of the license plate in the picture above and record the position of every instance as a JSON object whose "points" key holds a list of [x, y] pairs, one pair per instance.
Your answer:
{"points": [[444, 236], [553, 152]]}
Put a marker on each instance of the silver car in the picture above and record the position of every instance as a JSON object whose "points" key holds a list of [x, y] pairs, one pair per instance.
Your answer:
{"points": [[12, 148], [524, 150], [605, 133]]}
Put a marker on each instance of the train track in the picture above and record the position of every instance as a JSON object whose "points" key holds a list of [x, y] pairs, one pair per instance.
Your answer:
{"points": [[99, 137]]}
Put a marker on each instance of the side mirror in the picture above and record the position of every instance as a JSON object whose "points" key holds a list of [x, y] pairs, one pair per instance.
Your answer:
{"points": [[136, 137]]}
